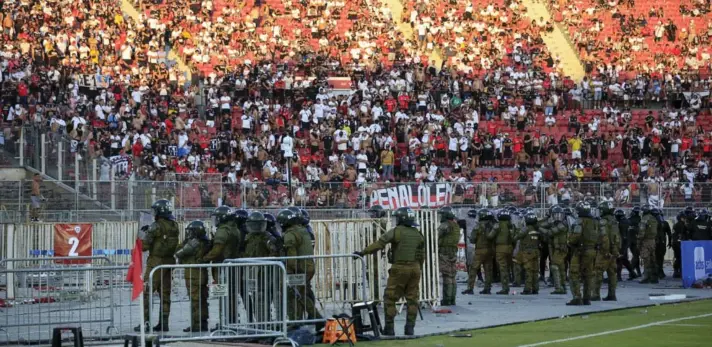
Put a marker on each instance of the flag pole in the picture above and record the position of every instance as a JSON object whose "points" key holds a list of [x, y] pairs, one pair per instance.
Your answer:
{"points": [[143, 320]]}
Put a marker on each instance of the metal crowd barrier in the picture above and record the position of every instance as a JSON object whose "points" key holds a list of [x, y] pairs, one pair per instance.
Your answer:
{"points": [[245, 297], [336, 281], [45, 298]]}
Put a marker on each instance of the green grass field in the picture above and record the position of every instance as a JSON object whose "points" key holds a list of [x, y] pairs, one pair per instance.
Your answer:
{"points": [[688, 333]]}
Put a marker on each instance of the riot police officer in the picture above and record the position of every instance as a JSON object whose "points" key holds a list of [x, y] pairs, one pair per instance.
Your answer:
{"points": [[407, 256], [484, 253], [634, 221], [257, 245], [275, 237], [647, 233], [529, 246], [679, 234], [556, 232], [625, 236], [502, 234], [160, 239], [298, 243], [608, 253], [194, 247], [448, 238], [700, 229], [662, 241], [584, 239], [227, 243]]}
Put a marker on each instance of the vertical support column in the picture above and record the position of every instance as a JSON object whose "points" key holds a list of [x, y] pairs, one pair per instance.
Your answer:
{"points": [[43, 154], [60, 149], [113, 188], [93, 179], [22, 146]]}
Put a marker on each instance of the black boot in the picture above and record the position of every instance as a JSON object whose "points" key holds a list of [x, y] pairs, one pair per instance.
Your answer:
{"points": [[138, 327], [586, 302], [485, 292], [574, 302], [409, 329], [388, 329], [161, 326], [503, 292], [468, 292], [610, 298]]}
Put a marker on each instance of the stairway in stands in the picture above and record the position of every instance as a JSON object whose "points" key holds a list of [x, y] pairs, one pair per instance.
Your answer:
{"points": [[128, 9], [557, 41], [396, 7]]}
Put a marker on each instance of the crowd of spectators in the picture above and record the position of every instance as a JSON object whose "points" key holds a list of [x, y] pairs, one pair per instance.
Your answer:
{"points": [[499, 109]]}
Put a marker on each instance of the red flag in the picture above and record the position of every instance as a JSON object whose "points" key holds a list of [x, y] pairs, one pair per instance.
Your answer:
{"points": [[135, 269]]}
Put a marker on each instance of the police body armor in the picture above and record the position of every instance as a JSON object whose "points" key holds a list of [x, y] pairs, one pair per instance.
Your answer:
{"points": [[164, 238], [610, 226], [447, 244], [590, 234], [479, 237], [648, 228], [530, 241], [559, 237], [405, 248]]}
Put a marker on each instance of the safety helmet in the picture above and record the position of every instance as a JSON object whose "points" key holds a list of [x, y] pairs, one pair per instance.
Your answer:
{"points": [[557, 213], [256, 222], [298, 212], [680, 216], [221, 215], [405, 216], [655, 211], [636, 211], [196, 230], [620, 214], [646, 209], [271, 221], [162, 208], [486, 214], [583, 209], [504, 215], [240, 215], [472, 213], [703, 215], [446, 213], [606, 208], [376, 211], [305, 216], [288, 217], [531, 219]]}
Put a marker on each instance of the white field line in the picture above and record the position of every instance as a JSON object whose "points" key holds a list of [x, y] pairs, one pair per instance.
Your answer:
{"points": [[610, 332]]}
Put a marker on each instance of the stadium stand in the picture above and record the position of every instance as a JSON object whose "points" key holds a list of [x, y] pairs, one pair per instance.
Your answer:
{"points": [[362, 100]]}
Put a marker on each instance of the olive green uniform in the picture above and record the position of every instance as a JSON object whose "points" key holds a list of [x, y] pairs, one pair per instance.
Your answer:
{"points": [[607, 255], [484, 255], [501, 234], [529, 251], [161, 241], [257, 246], [196, 281], [225, 246], [407, 256], [557, 233], [601, 262], [583, 239], [297, 242], [647, 234], [448, 238]]}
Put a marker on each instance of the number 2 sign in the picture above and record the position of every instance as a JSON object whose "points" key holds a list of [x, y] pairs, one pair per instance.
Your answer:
{"points": [[73, 240]]}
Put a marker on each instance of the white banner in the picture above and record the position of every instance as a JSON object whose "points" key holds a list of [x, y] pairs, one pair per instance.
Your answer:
{"points": [[416, 196]]}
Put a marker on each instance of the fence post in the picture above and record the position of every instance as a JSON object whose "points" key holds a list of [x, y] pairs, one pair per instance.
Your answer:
{"points": [[76, 180], [22, 146], [43, 154], [10, 279], [113, 188], [60, 148], [243, 198], [93, 179], [130, 193]]}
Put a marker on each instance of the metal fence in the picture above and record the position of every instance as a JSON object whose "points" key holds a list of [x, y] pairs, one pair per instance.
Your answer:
{"points": [[124, 200], [246, 299], [94, 297]]}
